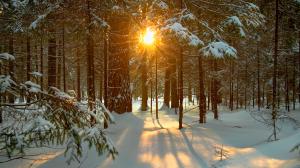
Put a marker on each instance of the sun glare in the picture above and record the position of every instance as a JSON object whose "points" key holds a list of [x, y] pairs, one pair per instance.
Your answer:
{"points": [[148, 37]]}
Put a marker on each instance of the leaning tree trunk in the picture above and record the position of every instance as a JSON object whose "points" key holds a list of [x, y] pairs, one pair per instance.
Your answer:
{"points": [[119, 93]]}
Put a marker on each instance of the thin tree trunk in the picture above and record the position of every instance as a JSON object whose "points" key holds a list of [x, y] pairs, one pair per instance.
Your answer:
{"points": [[42, 63], [180, 89], [294, 82], [90, 61], [64, 60], [215, 92], [174, 97], [11, 67], [78, 60], [287, 101], [231, 86], [167, 86], [202, 101], [274, 88], [258, 78], [51, 59], [28, 61], [144, 86]]}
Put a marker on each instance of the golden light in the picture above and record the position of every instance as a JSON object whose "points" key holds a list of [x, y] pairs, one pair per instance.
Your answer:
{"points": [[149, 37]]}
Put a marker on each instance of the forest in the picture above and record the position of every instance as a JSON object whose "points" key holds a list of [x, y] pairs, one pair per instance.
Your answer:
{"points": [[150, 83]]}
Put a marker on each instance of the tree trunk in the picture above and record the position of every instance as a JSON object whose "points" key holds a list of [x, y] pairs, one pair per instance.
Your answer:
{"points": [[11, 67], [231, 86], [180, 89], [119, 93], [258, 78], [215, 91], [64, 60], [174, 97], [274, 88], [28, 61], [42, 63], [202, 108], [294, 82], [78, 60], [51, 59], [144, 85], [287, 100], [90, 61], [167, 86]]}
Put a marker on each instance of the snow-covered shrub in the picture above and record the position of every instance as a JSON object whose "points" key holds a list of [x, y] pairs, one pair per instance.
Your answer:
{"points": [[51, 118], [265, 117]]}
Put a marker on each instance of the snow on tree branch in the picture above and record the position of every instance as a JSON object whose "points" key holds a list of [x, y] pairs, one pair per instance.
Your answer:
{"points": [[219, 49], [7, 57], [5, 83], [182, 33]]}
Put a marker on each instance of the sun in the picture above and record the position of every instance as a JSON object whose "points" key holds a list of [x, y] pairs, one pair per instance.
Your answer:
{"points": [[149, 37]]}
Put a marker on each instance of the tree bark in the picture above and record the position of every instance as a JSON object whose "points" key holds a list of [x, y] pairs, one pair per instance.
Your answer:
{"points": [[202, 101], [274, 88], [51, 59], [119, 92], [215, 91], [167, 86], [90, 61], [144, 85]]}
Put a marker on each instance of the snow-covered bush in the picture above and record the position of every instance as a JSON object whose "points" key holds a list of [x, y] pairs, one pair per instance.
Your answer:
{"points": [[265, 117], [51, 118]]}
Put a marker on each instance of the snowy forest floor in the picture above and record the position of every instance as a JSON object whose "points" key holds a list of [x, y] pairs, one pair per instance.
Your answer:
{"points": [[144, 142]]}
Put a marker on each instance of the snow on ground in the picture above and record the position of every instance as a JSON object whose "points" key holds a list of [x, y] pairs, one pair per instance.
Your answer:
{"points": [[144, 142]]}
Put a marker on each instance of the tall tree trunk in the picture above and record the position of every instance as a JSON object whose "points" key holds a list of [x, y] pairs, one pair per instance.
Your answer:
{"points": [[231, 86], [28, 61], [42, 63], [294, 82], [78, 60], [59, 64], [190, 91], [174, 96], [105, 49], [237, 89], [287, 99], [51, 59], [167, 86], [11, 67], [64, 60], [246, 83], [202, 108], [144, 85], [258, 78], [90, 60], [119, 92], [215, 91], [274, 88], [180, 88]]}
